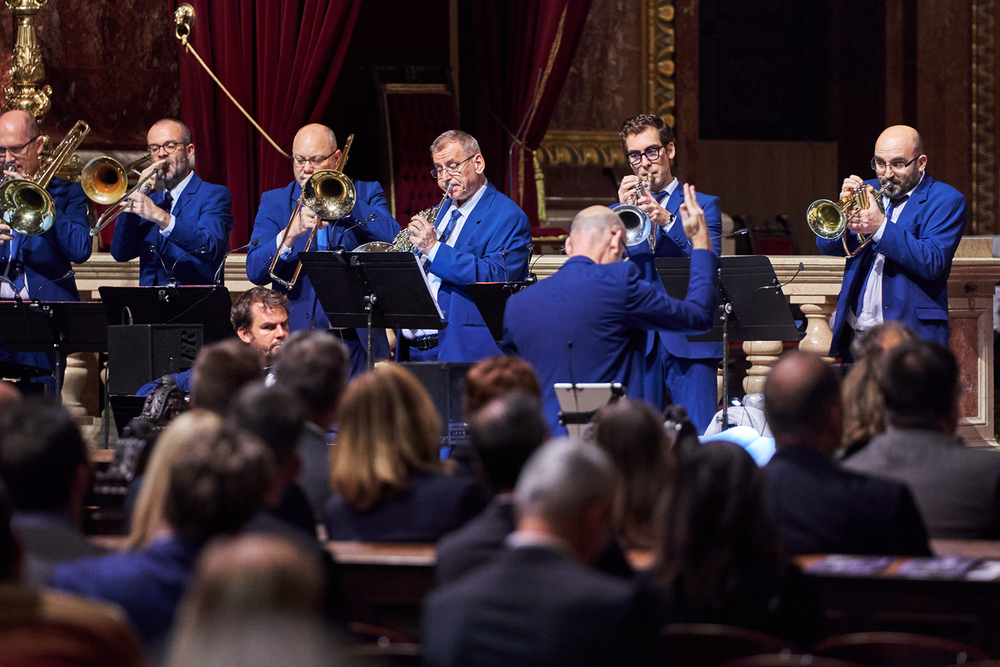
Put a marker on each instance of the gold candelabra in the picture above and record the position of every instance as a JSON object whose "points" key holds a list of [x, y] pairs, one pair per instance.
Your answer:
{"points": [[27, 70]]}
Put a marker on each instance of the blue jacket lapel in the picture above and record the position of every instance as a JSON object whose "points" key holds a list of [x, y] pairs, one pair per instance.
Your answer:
{"points": [[919, 196], [476, 216]]}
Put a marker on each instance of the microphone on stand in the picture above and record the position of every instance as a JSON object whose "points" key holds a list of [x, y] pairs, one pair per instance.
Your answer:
{"points": [[218, 278], [159, 257], [68, 274], [170, 274]]}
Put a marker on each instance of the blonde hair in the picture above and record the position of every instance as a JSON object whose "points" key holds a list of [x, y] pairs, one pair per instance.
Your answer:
{"points": [[148, 515], [387, 425]]}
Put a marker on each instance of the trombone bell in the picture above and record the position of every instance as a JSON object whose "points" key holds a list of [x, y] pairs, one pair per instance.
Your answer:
{"points": [[104, 180]]}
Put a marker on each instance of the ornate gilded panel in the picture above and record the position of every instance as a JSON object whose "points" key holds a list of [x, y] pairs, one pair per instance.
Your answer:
{"points": [[984, 174]]}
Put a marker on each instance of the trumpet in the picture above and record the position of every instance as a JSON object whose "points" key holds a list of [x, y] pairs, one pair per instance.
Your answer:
{"points": [[330, 195], [105, 181], [828, 219], [638, 227], [403, 241], [25, 206]]}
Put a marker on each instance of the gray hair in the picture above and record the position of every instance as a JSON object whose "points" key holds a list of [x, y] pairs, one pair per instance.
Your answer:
{"points": [[562, 479], [464, 139]]}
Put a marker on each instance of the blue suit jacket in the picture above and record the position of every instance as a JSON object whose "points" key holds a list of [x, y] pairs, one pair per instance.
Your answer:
{"points": [[918, 251], [195, 247], [46, 257], [604, 310], [276, 208], [494, 246]]}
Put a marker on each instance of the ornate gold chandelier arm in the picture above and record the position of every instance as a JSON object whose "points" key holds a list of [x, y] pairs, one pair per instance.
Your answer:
{"points": [[184, 19]]}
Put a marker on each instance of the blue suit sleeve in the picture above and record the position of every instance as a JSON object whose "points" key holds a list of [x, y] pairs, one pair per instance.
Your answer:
{"points": [[265, 229], [647, 307], [70, 233], [130, 232], [505, 256], [926, 250], [207, 228]]}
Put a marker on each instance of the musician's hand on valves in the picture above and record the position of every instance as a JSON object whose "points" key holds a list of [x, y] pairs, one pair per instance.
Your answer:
{"points": [[424, 235], [626, 191], [868, 220], [851, 183], [657, 214], [693, 219]]}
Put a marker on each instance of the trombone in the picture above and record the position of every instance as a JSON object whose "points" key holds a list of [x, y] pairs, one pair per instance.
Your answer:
{"points": [[105, 181], [330, 195]]}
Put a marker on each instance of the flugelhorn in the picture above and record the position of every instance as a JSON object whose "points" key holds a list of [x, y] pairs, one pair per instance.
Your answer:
{"points": [[330, 195], [403, 241], [637, 224], [25, 206], [828, 219], [105, 181]]}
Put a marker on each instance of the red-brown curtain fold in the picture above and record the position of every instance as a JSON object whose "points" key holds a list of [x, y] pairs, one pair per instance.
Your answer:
{"points": [[525, 46], [280, 60]]}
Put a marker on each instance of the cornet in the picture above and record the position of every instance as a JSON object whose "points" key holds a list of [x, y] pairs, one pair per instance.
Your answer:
{"points": [[637, 224], [828, 219], [105, 181]]}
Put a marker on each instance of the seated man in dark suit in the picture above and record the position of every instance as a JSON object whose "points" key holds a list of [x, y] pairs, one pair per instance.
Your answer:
{"points": [[181, 233], [44, 462], [817, 506], [588, 322], [957, 488], [217, 482], [537, 602]]}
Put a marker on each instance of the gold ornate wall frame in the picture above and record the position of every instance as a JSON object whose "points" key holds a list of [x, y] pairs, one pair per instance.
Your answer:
{"points": [[984, 173], [578, 148]]}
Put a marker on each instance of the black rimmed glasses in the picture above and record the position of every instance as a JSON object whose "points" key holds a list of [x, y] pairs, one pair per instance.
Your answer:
{"points": [[16, 150], [170, 147], [652, 154], [314, 161], [896, 165]]}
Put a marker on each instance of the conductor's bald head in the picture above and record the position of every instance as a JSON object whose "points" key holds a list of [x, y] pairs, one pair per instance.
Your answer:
{"points": [[598, 233], [802, 402]]}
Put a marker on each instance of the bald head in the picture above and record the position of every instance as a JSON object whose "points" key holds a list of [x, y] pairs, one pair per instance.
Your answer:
{"points": [[902, 136], [802, 402], [598, 233], [899, 145], [316, 146], [20, 121], [20, 129]]}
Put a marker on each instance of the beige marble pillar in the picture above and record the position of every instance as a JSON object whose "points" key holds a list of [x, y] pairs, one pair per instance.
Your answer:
{"points": [[761, 355]]}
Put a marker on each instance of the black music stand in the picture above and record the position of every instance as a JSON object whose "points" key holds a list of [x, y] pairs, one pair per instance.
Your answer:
{"points": [[208, 305], [57, 327], [751, 306], [491, 300], [372, 289]]}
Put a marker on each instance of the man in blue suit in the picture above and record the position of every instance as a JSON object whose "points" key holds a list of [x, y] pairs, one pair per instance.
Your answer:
{"points": [[181, 233], [588, 322], [903, 273], [686, 370], [38, 266], [313, 149], [479, 236]]}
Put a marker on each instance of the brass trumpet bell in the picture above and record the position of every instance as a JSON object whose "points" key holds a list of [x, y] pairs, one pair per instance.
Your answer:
{"points": [[828, 219], [26, 208], [104, 180]]}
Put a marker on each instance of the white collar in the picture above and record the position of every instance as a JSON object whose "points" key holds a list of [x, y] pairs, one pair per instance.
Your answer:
{"points": [[177, 190], [466, 208]]}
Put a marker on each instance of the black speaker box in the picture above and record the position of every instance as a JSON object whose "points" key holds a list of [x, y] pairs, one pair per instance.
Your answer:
{"points": [[445, 382], [140, 353]]}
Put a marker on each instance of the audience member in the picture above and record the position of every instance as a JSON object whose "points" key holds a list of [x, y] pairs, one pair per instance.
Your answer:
{"points": [[632, 434], [817, 506], [386, 468], [314, 364], [538, 602], [220, 371], [718, 558], [44, 627], [957, 488], [864, 413], [217, 481], [10, 396], [493, 377], [44, 464], [277, 416]]}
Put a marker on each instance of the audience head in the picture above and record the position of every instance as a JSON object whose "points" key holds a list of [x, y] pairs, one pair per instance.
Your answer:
{"points": [[493, 377], [220, 371], [147, 517], [632, 434], [10, 549], [565, 489], [712, 525], [504, 434], [275, 415], [217, 482], [802, 402], [10, 396], [43, 459], [260, 318], [313, 364], [388, 424], [920, 386], [597, 233], [864, 410]]}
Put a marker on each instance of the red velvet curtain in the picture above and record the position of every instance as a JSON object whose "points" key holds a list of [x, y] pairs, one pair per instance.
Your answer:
{"points": [[526, 48], [280, 60]]}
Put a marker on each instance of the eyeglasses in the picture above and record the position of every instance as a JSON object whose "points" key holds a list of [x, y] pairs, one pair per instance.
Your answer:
{"points": [[652, 153], [451, 168], [314, 161], [897, 165], [16, 150], [170, 147]]}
